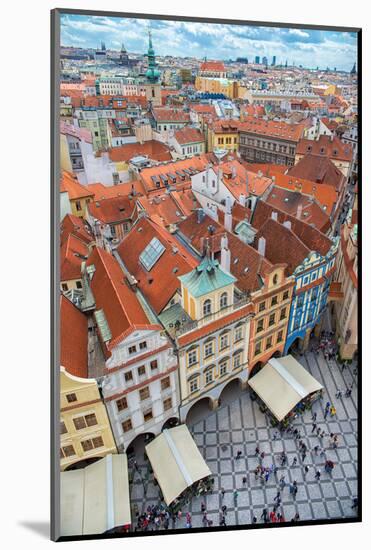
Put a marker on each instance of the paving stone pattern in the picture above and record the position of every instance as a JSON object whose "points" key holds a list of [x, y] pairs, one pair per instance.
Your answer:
{"points": [[240, 426]]}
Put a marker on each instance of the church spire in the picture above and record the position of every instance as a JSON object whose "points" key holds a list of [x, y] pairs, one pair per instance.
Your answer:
{"points": [[152, 73]]}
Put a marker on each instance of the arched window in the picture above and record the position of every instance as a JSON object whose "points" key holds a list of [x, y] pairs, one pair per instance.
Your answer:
{"points": [[275, 279], [207, 307], [223, 300]]}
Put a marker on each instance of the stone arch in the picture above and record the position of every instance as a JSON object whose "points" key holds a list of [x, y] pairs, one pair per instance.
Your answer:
{"points": [[170, 423], [256, 368], [135, 448], [195, 410], [236, 383], [79, 464]]}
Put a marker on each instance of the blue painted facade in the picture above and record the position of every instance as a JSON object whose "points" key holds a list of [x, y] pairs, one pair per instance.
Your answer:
{"points": [[309, 299]]}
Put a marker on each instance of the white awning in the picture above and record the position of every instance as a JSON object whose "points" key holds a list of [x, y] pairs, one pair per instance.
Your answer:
{"points": [[176, 461], [95, 499], [282, 383]]}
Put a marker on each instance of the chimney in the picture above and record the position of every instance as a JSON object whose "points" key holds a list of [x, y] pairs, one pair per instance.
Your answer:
{"points": [[234, 173], [200, 215], [228, 214], [274, 216], [261, 246], [225, 259], [287, 224], [242, 200], [299, 211]]}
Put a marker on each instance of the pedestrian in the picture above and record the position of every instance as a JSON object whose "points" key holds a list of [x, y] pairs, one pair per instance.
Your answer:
{"points": [[306, 469], [338, 394], [282, 482], [223, 492], [224, 509], [318, 431], [257, 452], [278, 496], [262, 455], [303, 456], [244, 480], [355, 502], [235, 496], [239, 454], [275, 471], [296, 517], [203, 507], [314, 416], [264, 515], [294, 461], [266, 477], [318, 475], [222, 520], [314, 427], [254, 519]]}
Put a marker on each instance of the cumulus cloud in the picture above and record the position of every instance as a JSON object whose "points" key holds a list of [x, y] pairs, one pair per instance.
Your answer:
{"points": [[309, 47]]}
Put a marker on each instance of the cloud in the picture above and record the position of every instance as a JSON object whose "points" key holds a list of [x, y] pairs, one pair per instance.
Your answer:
{"points": [[298, 32], [309, 47]]}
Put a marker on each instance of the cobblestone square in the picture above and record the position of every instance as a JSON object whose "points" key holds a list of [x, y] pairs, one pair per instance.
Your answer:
{"points": [[239, 425]]}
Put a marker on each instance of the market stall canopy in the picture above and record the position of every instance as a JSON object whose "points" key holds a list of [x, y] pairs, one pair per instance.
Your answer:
{"points": [[176, 461], [95, 499], [282, 383]]}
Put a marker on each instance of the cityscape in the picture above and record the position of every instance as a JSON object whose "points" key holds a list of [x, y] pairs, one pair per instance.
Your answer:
{"points": [[208, 275]]}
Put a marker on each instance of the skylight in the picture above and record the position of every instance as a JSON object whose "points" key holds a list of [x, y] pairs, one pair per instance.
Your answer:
{"points": [[151, 253]]}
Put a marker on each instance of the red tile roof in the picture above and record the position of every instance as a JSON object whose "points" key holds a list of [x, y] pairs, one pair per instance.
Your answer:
{"points": [[247, 265], [188, 135], [73, 339], [101, 191], [161, 114], [155, 150], [213, 66], [77, 227], [112, 293], [73, 252], [229, 126], [74, 189], [298, 205], [203, 109], [319, 170], [181, 179], [281, 130], [75, 131], [325, 146], [311, 237], [113, 209], [164, 209], [282, 245], [160, 283]]}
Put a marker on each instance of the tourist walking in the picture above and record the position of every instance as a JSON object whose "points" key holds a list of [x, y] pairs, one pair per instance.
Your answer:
{"points": [[318, 475]]}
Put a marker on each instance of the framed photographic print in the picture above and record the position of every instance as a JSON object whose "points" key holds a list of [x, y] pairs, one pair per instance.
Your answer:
{"points": [[205, 203]]}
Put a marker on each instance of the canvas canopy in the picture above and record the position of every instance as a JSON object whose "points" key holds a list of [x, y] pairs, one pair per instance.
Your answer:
{"points": [[95, 499], [282, 383], [176, 461]]}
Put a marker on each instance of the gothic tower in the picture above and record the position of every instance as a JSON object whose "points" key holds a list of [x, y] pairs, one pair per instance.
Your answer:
{"points": [[152, 84]]}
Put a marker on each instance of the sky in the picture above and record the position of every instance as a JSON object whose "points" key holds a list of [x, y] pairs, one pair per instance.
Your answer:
{"points": [[310, 48]]}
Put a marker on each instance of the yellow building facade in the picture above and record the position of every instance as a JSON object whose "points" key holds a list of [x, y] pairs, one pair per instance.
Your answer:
{"points": [[85, 431], [223, 135], [217, 86]]}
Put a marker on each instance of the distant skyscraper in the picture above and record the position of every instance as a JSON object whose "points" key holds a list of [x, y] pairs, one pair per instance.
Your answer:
{"points": [[273, 61], [265, 60], [257, 59]]}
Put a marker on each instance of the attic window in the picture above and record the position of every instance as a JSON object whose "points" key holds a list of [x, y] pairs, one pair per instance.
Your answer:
{"points": [[335, 152], [122, 209], [246, 269], [175, 269], [286, 199], [235, 261], [151, 253]]}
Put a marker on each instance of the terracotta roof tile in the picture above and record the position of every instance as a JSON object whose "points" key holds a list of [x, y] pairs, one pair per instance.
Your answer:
{"points": [[161, 114], [155, 150], [101, 191], [213, 66], [160, 283], [318, 169], [283, 130], [77, 227], [73, 253], [113, 209], [74, 189], [73, 339], [188, 135], [112, 294], [333, 148]]}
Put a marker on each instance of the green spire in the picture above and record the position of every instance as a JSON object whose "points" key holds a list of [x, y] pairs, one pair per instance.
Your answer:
{"points": [[152, 73], [206, 277]]}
